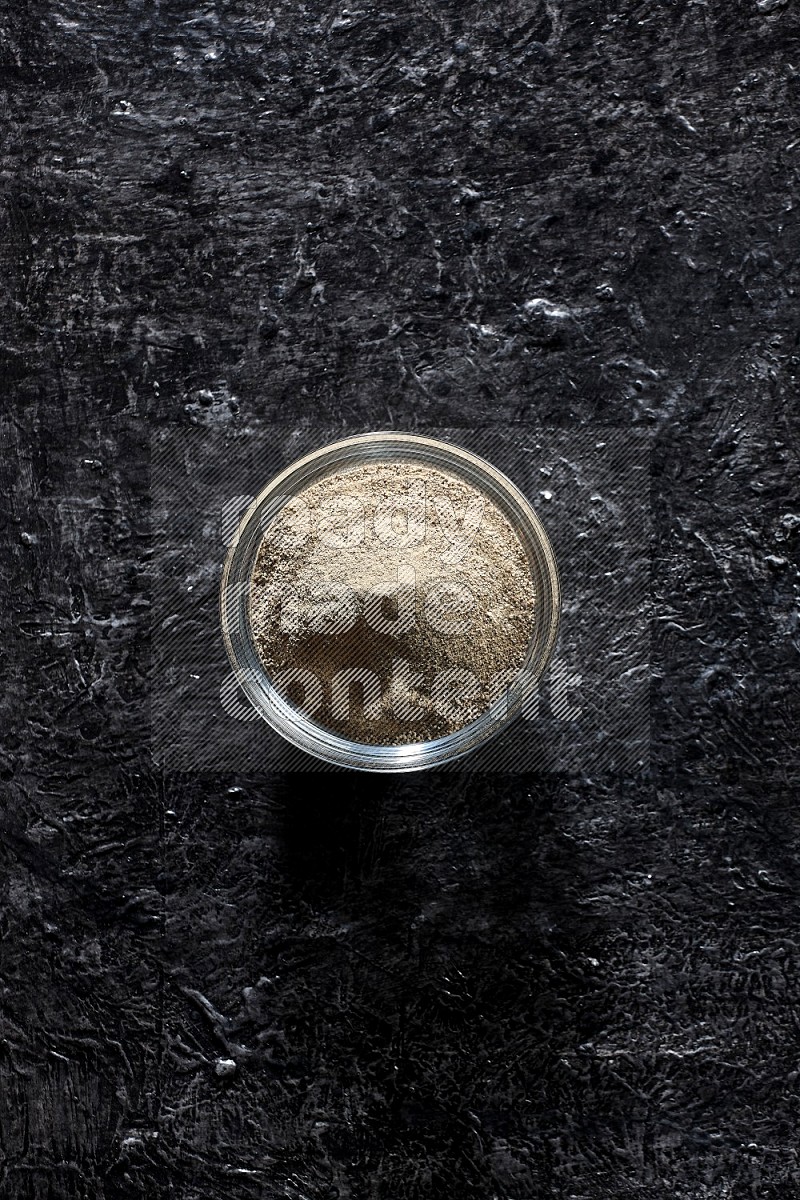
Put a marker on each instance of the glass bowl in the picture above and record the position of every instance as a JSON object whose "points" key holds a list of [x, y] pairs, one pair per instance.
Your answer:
{"points": [[287, 718]]}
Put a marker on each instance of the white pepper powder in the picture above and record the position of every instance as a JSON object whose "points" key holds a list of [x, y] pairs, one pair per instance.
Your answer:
{"points": [[393, 601]]}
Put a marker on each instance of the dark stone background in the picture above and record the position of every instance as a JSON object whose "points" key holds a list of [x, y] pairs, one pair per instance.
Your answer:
{"points": [[511, 988]]}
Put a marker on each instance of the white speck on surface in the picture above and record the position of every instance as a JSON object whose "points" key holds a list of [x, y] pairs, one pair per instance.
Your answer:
{"points": [[539, 304]]}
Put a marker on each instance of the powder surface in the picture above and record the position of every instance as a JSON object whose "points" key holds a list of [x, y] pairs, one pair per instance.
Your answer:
{"points": [[392, 601]]}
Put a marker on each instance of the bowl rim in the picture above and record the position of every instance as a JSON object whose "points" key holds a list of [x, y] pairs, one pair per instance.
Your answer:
{"points": [[288, 719]]}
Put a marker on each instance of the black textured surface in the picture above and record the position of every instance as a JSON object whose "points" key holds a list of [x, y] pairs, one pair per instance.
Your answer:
{"points": [[505, 987]]}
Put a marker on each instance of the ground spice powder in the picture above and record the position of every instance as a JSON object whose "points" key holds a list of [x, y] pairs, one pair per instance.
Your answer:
{"points": [[392, 601]]}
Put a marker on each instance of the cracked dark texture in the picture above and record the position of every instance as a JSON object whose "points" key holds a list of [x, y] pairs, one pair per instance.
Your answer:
{"points": [[515, 987]]}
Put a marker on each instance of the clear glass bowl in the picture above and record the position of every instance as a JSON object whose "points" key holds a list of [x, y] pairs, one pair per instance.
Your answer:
{"points": [[287, 718]]}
